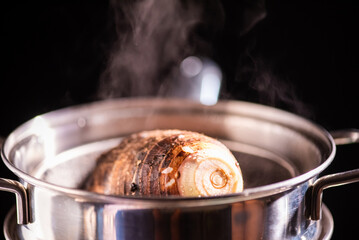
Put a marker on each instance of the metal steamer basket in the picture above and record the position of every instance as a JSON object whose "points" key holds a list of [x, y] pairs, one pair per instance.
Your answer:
{"points": [[280, 154]]}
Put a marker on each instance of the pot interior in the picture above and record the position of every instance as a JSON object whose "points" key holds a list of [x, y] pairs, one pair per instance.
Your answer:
{"points": [[71, 168], [271, 146]]}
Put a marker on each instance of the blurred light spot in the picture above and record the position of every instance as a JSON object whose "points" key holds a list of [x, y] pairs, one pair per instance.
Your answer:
{"points": [[210, 88], [191, 66]]}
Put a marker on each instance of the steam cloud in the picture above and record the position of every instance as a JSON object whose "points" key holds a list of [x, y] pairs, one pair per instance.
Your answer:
{"points": [[153, 36], [274, 92], [259, 83]]}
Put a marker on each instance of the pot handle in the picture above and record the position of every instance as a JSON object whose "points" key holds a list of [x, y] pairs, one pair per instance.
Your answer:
{"points": [[16, 187], [315, 192], [21, 198]]}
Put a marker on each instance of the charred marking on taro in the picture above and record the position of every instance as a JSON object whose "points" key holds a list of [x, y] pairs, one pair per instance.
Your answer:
{"points": [[134, 187]]}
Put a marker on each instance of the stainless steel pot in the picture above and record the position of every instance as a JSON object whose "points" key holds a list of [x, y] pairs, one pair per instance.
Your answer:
{"points": [[281, 156]]}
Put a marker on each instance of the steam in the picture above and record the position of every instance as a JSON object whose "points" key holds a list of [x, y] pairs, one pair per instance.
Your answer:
{"points": [[153, 36], [277, 93], [268, 88]]}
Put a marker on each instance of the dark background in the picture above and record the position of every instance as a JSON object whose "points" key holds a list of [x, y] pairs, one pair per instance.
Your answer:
{"points": [[303, 57]]}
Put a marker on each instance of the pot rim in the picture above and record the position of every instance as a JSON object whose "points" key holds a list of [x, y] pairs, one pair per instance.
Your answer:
{"points": [[170, 201]]}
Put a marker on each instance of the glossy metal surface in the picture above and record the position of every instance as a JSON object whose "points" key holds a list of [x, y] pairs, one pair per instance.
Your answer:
{"points": [[21, 198], [12, 231], [345, 136], [314, 199], [18, 189], [274, 210]]}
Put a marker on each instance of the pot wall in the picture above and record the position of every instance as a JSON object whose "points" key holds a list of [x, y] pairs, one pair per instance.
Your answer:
{"points": [[58, 216]]}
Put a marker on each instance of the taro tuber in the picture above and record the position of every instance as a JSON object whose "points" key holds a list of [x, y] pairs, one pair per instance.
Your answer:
{"points": [[166, 162]]}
